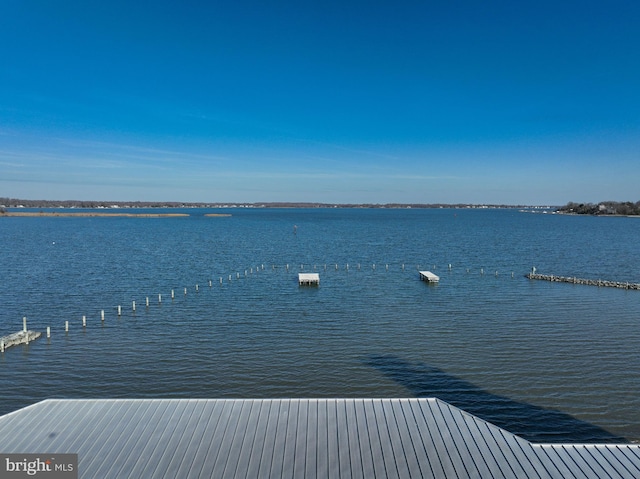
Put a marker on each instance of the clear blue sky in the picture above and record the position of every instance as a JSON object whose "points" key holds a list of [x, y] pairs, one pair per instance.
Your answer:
{"points": [[332, 101]]}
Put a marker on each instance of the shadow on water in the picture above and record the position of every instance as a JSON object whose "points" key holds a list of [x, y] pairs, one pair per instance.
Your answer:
{"points": [[530, 422]]}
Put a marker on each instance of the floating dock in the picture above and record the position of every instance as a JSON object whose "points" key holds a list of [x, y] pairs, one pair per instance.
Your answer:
{"points": [[308, 279], [295, 438], [21, 337], [429, 277]]}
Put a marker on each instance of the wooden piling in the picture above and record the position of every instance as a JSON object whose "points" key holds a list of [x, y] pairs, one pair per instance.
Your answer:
{"points": [[48, 332], [24, 324], [173, 295], [159, 298], [66, 326], [119, 310], [147, 301], [102, 315], [84, 321], [133, 304]]}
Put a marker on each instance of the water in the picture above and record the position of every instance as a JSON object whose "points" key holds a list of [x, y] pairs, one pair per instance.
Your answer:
{"points": [[551, 362]]}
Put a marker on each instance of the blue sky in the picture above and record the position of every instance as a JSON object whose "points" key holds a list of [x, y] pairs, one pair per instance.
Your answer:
{"points": [[333, 101]]}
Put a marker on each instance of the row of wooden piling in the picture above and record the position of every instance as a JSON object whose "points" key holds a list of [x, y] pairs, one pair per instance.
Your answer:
{"points": [[25, 336], [386, 267]]}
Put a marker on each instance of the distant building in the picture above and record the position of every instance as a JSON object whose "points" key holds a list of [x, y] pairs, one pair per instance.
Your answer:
{"points": [[606, 210]]}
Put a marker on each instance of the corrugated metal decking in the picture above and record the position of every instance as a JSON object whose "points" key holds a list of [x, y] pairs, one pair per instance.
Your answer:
{"points": [[184, 438]]}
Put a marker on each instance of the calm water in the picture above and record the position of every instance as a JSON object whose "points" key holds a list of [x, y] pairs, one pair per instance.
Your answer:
{"points": [[551, 362]]}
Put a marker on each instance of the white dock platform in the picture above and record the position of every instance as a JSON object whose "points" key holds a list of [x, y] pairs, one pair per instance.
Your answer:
{"points": [[21, 337], [296, 438], [308, 279], [429, 276]]}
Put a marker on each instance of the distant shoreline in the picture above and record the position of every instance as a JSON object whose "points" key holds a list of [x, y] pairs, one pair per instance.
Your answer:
{"points": [[604, 208], [88, 214], [14, 203], [599, 216]]}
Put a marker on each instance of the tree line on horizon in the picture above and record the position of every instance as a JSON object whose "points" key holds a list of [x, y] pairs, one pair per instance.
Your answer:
{"points": [[623, 208], [89, 204]]}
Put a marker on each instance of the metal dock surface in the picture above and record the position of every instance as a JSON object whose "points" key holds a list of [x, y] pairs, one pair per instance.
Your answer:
{"points": [[429, 276], [186, 438]]}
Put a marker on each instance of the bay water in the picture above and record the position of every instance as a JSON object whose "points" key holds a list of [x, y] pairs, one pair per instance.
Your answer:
{"points": [[552, 362]]}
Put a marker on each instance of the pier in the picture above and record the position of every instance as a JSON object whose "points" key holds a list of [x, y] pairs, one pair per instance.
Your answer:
{"points": [[308, 279], [304, 279], [429, 277], [589, 282]]}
